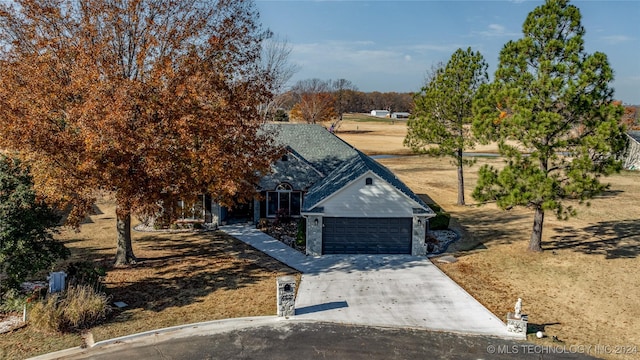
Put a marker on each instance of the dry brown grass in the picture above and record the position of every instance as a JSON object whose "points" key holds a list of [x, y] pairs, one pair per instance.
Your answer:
{"points": [[181, 278], [584, 288]]}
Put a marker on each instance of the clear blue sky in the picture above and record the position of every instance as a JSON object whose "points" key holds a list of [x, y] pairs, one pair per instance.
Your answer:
{"points": [[390, 45]]}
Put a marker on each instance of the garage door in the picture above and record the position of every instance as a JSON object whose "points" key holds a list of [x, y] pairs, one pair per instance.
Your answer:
{"points": [[366, 235]]}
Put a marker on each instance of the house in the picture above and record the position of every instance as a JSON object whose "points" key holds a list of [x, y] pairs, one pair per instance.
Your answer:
{"points": [[380, 113], [352, 204], [632, 157]]}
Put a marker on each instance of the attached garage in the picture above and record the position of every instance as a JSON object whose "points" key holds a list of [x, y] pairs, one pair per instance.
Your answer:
{"points": [[350, 235]]}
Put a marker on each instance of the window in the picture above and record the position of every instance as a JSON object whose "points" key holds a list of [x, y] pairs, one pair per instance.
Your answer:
{"points": [[192, 210], [368, 181], [285, 200]]}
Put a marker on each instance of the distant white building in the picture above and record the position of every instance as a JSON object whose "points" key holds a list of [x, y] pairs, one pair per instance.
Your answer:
{"points": [[380, 113], [400, 115]]}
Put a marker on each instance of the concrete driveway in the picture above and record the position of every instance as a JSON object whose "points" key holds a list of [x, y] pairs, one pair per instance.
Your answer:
{"points": [[379, 290]]}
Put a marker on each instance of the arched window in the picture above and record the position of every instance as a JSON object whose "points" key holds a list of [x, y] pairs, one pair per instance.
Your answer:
{"points": [[283, 201], [368, 181], [284, 187]]}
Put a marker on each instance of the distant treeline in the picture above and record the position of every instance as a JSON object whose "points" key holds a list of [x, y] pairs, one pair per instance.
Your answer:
{"points": [[363, 102]]}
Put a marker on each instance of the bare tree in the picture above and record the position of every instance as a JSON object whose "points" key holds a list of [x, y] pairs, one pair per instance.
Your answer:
{"points": [[340, 88], [275, 61]]}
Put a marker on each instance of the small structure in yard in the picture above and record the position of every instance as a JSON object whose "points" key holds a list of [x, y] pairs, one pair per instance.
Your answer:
{"points": [[518, 309], [517, 322]]}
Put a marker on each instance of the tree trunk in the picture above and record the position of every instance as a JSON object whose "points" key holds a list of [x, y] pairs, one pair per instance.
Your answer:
{"points": [[460, 179], [124, 251], [535, 244]]}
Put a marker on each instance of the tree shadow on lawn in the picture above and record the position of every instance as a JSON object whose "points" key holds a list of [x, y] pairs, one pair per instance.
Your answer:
{"points": [[478, 226], [614, 239], [188, 268], [485, 226]]}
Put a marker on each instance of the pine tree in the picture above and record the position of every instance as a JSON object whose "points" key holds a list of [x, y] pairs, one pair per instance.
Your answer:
{"points": [[552, 112], [442, 116]]}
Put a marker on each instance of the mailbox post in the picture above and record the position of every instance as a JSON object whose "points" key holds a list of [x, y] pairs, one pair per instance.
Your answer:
{"points": [[286, 296]]}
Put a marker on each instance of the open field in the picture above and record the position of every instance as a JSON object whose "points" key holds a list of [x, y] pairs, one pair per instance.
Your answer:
{"points": [[181, 278], [584, 288]]}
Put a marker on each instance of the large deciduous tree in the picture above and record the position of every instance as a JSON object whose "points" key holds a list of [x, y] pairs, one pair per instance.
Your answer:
{"points": [[440, 124], [314, 101], [552, 112], [27, 226], [147, 99]]}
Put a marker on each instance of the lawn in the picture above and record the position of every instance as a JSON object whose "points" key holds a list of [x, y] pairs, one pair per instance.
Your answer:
{"points": [[181, 278], [583, 289]]}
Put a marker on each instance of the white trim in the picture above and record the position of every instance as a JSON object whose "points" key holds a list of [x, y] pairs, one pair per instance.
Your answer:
{"points": [[278, 192]]}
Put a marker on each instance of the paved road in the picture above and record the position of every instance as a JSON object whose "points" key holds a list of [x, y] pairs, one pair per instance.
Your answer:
{"points": [[302, 340]]}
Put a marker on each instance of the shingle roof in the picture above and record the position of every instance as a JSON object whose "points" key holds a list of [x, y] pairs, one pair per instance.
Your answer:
{"points": [[340, 162], [296, 171], [314, 143], [348, 172], [635, 135]]}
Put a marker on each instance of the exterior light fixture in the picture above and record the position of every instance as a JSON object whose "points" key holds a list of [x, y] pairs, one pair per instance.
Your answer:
{"points": [[315, 222]]}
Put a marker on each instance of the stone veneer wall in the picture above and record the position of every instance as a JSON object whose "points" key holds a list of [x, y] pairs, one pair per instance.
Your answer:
{"points": [[314, 235], [418, 246]]}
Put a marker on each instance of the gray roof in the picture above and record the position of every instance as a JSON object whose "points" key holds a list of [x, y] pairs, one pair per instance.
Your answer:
{"points": [[635, 135], [339, 162], [314, 143], [348, 172], [296, 171]]}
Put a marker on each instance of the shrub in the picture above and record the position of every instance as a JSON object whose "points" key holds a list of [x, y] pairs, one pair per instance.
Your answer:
{"points": [[86, 273], [301, 234], [12, 301], [441, 220], [46, 315], [84, 307], [263, 223], [80, 307]]}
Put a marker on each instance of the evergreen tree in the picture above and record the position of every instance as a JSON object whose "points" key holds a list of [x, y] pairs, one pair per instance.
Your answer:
{"points": [[27, 226], [443, 110], [552, 112]]}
